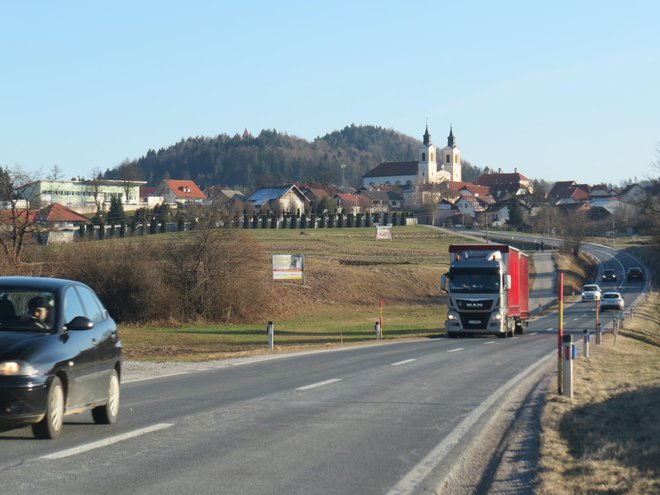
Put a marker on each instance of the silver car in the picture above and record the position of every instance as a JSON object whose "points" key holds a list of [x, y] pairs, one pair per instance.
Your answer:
{"points": [[591, 292], [612, 300]]}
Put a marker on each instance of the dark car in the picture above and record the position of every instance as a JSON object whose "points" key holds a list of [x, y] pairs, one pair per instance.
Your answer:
{"points": [[609, 275], [60, 354], [634, 273]]}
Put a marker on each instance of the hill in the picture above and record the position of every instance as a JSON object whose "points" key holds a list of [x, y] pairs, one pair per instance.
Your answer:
{"points": [[272, 158]]}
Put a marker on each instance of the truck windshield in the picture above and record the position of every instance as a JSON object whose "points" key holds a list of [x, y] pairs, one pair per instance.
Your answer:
{"points": [[477, 281]]}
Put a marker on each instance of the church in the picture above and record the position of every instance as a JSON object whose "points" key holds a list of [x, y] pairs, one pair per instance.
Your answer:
{"points": [[432, 167]]}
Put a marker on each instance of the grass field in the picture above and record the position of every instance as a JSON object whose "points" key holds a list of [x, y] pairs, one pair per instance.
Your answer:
{"points": [[607, 439], [347, 272]]}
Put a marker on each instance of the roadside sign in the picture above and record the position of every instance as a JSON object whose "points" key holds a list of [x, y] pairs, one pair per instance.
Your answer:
{"points": [[288, 267], [384, 231]]}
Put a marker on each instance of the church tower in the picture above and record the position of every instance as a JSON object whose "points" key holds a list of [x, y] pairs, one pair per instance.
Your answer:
{"points": [[427, 170], [451, 157]]}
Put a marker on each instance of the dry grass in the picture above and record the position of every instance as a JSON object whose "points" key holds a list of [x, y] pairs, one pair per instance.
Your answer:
{"points": [[607, 439]]}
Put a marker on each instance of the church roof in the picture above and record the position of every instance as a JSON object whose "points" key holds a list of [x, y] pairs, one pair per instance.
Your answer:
{"points": [[388, 169]]}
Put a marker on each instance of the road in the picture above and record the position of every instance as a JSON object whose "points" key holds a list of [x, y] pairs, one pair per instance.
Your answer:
{"points": [[389, 418]]}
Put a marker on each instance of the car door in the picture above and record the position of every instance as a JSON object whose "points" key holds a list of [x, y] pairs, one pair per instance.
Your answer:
{"points": [[104, 335], [82, 352]]}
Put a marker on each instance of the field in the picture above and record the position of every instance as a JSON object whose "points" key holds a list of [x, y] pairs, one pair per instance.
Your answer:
{"points": [[347, 272], [605, 440]]}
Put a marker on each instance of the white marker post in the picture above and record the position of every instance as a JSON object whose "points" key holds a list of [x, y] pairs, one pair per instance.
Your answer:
{"points": [[270, 328], [377, 328], [585, 346]]}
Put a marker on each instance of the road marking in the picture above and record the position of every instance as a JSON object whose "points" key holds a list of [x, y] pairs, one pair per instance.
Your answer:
{"points": [[533, 333], [404, 362], [319, 384], [489, 342], [576, 319], [549, 330], [514, 338], [457, 349], [166, 375], [412, 482], [107, 441]]}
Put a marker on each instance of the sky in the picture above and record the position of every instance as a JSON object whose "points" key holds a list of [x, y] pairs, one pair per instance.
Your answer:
{"points": [[557, 90]]}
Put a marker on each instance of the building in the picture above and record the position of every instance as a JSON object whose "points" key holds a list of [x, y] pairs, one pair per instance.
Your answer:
{"points": [[426, 170], [84, 196], [180, 191], [285, 199]]}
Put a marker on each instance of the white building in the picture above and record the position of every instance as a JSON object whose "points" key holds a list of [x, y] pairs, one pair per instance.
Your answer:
{"points": [[426, 170]]}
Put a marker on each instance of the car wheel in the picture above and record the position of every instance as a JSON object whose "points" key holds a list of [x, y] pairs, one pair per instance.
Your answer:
{"points": [[107, 414], [51, 426]]}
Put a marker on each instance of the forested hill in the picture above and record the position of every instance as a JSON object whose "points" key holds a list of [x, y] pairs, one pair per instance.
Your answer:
{"points": [[272, 158]]}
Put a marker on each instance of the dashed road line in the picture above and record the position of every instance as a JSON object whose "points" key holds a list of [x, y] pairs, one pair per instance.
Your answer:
{"points": [[457, 349], [319, 384], [404, 362], [107, 441]]}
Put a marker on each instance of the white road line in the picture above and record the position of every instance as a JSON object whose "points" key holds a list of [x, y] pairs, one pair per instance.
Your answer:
{"points": [[489, 342], [533, 333], [514, 338], [576, 319], [404, 362], [412, 482], [107, 441], [457, 349], [319, 384], [166, 375], [549, 329]]}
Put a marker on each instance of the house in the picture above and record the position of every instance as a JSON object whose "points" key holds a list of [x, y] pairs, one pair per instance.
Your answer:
{"points": [[382, 201], [180, 191], [506, 185], [285, 199], [352, 203], [315, 195], [57, 224]]}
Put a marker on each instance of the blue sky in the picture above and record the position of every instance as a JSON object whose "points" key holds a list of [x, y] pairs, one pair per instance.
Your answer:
{"points": [[559, 90]]}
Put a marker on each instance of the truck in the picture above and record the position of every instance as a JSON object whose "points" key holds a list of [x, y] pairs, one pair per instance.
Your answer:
{"points": [[487, 290]]}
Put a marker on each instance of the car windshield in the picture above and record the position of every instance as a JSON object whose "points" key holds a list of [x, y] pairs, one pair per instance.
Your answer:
{"points": [[590, 288], [474, 281], [610, 296], [26, 309]]}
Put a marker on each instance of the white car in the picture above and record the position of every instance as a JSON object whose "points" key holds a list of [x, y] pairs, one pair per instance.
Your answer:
{"points": [[591, 292], [612, 300]]}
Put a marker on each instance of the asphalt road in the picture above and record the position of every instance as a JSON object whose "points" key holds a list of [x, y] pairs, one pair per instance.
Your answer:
{"points": [[376, 419]]}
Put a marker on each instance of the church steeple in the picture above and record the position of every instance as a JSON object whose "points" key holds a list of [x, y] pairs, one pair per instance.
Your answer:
{"points": [[450, 138], [427, 136]]}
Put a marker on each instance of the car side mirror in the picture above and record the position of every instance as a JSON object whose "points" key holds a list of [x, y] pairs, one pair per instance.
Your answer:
{"points": [[508, 282], [80, 323]]}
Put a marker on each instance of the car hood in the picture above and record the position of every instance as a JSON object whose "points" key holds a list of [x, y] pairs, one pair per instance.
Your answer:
{"points": [[15, 345]]}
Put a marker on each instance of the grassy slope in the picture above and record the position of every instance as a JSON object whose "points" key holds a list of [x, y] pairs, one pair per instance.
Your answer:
{"points": [[606, 440], [347, 270]]}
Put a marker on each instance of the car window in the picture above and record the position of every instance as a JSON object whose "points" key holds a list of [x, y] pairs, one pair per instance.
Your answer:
{"points": [[93, 307], [72, 305]]}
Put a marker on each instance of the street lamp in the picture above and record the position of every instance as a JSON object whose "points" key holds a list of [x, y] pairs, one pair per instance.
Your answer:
{"points": [[343, 175]]}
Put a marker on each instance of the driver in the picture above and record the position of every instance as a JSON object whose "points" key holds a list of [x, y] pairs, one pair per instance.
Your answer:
{"points": [[37, 313]]}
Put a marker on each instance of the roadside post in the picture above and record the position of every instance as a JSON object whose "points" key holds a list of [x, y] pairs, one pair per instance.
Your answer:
{"points": [[560, 332], [599, 328], [569, 356], [585, 346], [377, 328], [270, 330]]}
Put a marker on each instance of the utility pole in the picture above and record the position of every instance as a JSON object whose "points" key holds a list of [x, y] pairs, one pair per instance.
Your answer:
{"points": [[343, 175]]}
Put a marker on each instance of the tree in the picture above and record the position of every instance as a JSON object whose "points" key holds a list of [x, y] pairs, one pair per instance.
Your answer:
{"points": [[55, 173], [116, 214], [516, 214], [17, 221], [95, 183], [128, 173]]}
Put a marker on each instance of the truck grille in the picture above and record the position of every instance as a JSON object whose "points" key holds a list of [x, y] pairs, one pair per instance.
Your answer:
{"points": [[474, 304], [474, 320]]}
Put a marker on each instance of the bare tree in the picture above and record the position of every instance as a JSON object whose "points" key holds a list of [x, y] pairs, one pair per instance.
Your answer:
{"points": [[129, 172], [17, 219], [55, 173], [95, 183]]}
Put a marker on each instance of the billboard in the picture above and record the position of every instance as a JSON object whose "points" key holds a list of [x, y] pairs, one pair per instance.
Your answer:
{"points": [[288, 266], [384, 232]]}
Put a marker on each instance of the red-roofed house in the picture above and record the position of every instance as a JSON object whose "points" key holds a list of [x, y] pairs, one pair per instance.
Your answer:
{"points": [[180, 191], [56, 224]]}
